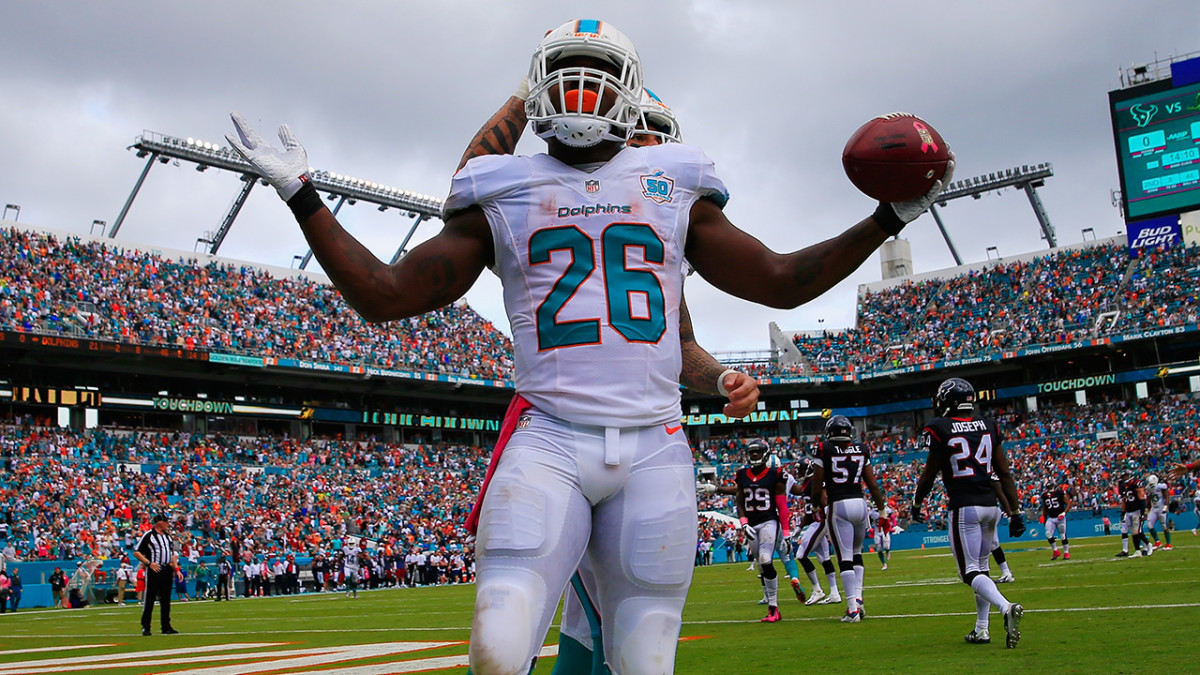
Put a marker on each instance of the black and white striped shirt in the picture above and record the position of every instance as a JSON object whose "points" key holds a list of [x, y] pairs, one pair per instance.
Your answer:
{"points": [[158, 548]]}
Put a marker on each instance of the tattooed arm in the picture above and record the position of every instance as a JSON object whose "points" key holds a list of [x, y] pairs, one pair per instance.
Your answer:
{"points": [[701, 370], [741, 265], [499, 135], [432, 275]]}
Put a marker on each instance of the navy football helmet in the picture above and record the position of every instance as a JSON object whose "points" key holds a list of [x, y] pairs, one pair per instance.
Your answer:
{"points": [[756, 453], [839, 429], [955, 395]]}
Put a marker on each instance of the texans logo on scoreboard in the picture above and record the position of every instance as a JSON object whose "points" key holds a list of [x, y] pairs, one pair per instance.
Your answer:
{"points": [[592, 186], [657, 188]]}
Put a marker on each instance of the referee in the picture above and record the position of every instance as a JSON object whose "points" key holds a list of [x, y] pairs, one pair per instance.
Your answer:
{"points": [[157, 552]]}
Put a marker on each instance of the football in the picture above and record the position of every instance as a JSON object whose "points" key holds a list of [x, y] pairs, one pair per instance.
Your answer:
{"points": [[895, 157]]}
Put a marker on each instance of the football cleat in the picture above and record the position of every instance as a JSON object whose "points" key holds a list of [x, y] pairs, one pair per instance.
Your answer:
{"points": [[1006, 578], [763, 601], [772, 616], [1066, 556], [816, 596], [884, 568], [979, 637], [852, 617], [831, 599], [1158, 544], [1012, 624], [1123, 554], [1168, 547], [862, 610], [1054, 555], [798, 590]]}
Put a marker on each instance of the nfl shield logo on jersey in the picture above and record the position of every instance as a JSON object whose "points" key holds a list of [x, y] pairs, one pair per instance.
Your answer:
{"points": [[592, 186], [657, 188]]}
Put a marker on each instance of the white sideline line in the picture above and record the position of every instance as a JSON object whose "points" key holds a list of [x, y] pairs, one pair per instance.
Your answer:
{"points": [[1028, 610], [61, 648], [941, 614]]}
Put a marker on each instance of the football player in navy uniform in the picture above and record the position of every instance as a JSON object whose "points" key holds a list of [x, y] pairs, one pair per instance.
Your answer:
{"points": [[1133, 500], [813, 539], [1055, 505], [966, 449], [763, 512], [840, 469]]}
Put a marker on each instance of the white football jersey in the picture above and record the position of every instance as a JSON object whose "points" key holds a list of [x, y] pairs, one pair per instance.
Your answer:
{"points": [[590, 266]]}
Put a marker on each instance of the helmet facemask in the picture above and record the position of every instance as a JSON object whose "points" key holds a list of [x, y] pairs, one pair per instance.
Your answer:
{"points": [[569, 103]]}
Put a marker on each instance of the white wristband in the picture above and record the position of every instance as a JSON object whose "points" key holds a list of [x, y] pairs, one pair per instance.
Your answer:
{"points": [[721, 381], [522, 91]]}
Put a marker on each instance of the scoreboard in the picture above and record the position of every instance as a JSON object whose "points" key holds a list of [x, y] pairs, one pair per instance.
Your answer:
{"points": [[1156, 128]]}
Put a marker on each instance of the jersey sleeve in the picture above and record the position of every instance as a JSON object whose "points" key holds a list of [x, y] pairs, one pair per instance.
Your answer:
{"points": [[480, 180], [710, 185]]}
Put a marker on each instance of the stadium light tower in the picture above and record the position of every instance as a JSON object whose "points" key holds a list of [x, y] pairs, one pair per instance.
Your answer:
{"points": [[212, 155], [14, 208], [1026, 177]]}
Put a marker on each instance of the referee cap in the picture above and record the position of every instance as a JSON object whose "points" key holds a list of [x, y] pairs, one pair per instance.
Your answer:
{"points": [[159, 518]]}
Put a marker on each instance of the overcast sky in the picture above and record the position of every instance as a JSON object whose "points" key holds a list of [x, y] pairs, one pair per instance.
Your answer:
{"points": [[392, 91]]}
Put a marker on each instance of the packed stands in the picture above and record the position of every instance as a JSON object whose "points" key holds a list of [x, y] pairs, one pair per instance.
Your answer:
{"points": [[1065, 295], [97, 290]]}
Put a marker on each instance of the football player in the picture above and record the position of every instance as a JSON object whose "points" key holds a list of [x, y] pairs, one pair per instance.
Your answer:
{"points": [[1133, 509], [967, 449], [1055, 505], [840, 469], [883, 536], [814, 539], [1158, 496], [763, 513], [604, 229], [580, 629]]}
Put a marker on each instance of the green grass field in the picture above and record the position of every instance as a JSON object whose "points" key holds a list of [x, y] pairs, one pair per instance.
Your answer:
{"points": [[1092, 614]]}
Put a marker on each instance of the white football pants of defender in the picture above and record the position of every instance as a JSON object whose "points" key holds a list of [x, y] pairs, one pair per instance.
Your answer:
{"points": [[1131, 524], [762, 549], [814, 541], [626, 498], [847, 530], [972, 538], [1056, 527]]}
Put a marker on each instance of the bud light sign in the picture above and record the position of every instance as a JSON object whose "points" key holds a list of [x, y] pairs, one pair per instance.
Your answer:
{"points": [[1153, 234]]}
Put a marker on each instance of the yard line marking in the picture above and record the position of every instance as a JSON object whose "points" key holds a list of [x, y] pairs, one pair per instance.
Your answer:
{"points": [[941, 614], [67, 663], [61, 648]]}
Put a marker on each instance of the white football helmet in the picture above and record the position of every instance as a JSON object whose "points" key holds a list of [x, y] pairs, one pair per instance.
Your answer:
{"points": [[563, 104], [657, 119], [1152, 480]]}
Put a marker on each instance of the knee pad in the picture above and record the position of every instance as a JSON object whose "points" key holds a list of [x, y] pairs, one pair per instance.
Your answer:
{"points": [[807, 565], [846, 565], [644, 640], [970, 576], [827, 565], [858, 560], [768, 571], [1065, 542], [502, 631]]}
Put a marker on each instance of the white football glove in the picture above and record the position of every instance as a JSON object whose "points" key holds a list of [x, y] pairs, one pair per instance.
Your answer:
{"points": [[286, 171], [912, 209], [708, 488], [749, 531]]}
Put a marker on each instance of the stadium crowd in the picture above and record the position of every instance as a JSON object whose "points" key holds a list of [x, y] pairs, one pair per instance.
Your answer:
{"points": [[108, 293], [1055, 298], [101, 291]]}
